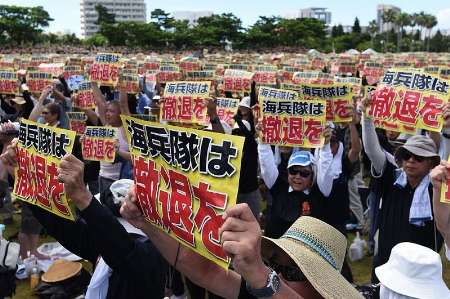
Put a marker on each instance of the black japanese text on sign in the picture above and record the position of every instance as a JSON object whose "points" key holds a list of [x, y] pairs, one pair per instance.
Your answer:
{"points": [[185, 101], [40, 149], [289, 120], [185, 179], [406, 100]]}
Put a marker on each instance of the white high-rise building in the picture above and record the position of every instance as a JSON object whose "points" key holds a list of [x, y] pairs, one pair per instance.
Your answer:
{"points": [[124, 11], [191, 16], [381, 9], [319, 13]]}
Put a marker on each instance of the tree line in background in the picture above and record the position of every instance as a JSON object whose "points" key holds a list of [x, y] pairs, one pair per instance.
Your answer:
{"points": [[412, 32]]}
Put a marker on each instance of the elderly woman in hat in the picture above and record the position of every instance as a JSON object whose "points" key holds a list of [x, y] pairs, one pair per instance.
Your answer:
{"points": [[405, 213], [305, 262], [294, 193]]}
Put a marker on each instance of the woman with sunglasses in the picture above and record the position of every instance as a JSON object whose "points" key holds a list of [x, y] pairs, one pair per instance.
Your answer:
{"points": [[405, 212], [49, 114], [292, 195]]}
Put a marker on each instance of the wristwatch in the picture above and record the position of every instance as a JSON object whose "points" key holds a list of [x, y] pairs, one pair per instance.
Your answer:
{"points": [[273, 285]]}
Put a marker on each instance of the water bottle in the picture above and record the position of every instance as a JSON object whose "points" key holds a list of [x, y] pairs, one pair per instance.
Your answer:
{"points": [[34, 277]]}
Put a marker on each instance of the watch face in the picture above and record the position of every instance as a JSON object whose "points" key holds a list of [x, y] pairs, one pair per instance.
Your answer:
{"points": [[275, 282]]}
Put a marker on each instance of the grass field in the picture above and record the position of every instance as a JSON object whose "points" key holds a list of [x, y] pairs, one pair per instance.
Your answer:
{"points": [[361, 269]]}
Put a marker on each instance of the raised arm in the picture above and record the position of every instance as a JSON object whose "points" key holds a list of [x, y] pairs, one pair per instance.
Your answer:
{"points": [[100, 102], [439, 175], [325, 175], [39, 107], [269, 169], [356, 146], [123, 100]]}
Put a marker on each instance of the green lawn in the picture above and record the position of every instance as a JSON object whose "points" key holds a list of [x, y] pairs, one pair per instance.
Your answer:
{"points": [[361, 269]]}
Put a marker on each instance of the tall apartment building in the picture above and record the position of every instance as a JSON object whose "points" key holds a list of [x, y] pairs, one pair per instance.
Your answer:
{"points": [[319, 13], [381, 9], [124, 10], [191, 16]]}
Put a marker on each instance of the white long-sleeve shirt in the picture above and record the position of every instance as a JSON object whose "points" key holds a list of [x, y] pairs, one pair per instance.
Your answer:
{"points": [[269, 169]]}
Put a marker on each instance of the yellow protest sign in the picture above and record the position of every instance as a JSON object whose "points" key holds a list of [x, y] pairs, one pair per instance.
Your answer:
{"points": [[184, 101], [8, 82], [226, 109], [445, 191], [444, 73], [77, 122], [129, 82], [185, 179], [105, 69], [98, 144], [200, 75], [237, 80], [84, 96], [39, 152], [289, 120], [338, 97], [37, 81], [406, 100]]}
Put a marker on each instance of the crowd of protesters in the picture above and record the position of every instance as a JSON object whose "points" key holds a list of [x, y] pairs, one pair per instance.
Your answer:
{"points": [[287, 235]]}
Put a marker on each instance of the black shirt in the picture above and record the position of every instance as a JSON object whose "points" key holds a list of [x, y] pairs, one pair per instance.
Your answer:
{"points": [[138, 268], [334, 209], [393, 217], [287, 207]]}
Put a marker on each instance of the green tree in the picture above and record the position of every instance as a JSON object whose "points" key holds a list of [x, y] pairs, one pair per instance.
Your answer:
{"points": [[401, 20], [356, 27], [263, 33], [388, 16], [20, 24], [430, 22], [337, 31], [372, 29], [214, 30], [162, 19], [104, 17]]}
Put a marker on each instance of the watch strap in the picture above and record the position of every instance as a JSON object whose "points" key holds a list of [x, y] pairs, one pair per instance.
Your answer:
{"points": [[269, 290]]}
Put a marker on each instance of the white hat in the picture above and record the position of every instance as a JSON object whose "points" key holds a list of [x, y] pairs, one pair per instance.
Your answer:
{"points": [[413, 270], [226, 127], [246, 124], [245, 102]]}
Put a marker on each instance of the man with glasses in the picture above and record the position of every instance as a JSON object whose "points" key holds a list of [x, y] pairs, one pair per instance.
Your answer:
{"points": [[405, 210]]}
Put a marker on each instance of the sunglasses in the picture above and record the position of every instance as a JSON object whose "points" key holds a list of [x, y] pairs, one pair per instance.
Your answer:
{"points": [[406, 155], [289, 273], [44, 112], [303, 173]]}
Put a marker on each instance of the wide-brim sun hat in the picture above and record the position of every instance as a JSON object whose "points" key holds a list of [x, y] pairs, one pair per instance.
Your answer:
{"points": [[61, 270], [318, 250], [415, 271]]}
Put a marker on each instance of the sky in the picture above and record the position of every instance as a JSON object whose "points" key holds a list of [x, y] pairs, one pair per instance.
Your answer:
{"points": [[66, 14]]}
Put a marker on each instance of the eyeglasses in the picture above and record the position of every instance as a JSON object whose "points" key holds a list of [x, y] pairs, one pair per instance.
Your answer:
{"points": [[406, 155], [303, 173], [44, 112], [289, 273]]}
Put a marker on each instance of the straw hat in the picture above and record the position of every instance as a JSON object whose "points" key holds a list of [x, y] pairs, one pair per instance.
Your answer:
{"points": [[61, 270], [318, 249]]}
